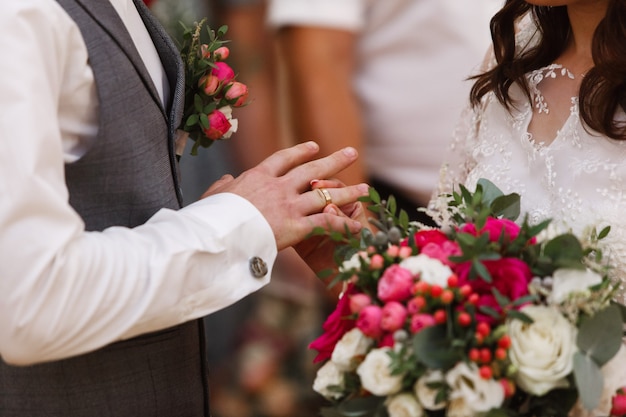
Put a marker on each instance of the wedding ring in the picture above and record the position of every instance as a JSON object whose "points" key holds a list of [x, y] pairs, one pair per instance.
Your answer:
{"points": [[323, 192]]}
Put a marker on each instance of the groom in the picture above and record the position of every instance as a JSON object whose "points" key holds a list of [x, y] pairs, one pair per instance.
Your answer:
{"points": [[103, 278]]}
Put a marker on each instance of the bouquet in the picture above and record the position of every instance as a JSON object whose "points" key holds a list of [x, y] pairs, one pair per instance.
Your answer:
{"points": [[482, 317], [211, 89]]}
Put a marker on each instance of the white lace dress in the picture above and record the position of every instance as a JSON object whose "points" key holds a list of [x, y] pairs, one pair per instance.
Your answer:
{"points": [[578, 179]]}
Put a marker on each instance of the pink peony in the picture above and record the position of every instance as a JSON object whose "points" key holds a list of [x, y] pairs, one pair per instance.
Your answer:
{"points": [[394, 316], [223, 72], [237, 92], [336, 325], [369, 321], [442, 252], [395, 284], [218, 125], [510, 276], [210, 84], [359, 301], [495, 227], [421, 321]]}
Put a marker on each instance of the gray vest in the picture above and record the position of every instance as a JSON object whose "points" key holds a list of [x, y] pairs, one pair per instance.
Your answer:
{"points": [[127, 176]]}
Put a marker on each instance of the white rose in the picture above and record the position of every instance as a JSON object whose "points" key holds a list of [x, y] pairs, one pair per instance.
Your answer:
{"points": [[568, 281], [234, 123], [542, 351], [352, 344], [404, 405], [426, 395], [459, 408], [430, 270], [327, 376], [479, 394], [376, 376], [614, 372]]}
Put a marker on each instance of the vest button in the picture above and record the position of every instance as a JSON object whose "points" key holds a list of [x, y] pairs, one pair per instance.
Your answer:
{"points": [[258, 267]]}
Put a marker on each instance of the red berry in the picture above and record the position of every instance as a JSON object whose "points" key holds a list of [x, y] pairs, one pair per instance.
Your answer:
{"points": [[447, 296], [464, 319], [440, 316], [501, 354], [485, 372], [453, 281], [436, 291], [483, 328], [466, 290], [421, 287], [504, 342], [479, 338], [473, 298], [485, 355], [474, 355]]}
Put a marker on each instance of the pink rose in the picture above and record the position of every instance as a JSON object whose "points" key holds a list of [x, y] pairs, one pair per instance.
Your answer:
{"points": [[210, 84], [510, 276], [221, 53], [369, 321], [421, 321], [394, 316], [204, 51], [223, 72], [495, 227], [218, 125], [395, 284], [423, 237], [336, 325], [237, 92], [359, 301], [619, 404]]}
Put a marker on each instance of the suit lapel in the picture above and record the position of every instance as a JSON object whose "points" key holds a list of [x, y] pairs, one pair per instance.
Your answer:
{"points": [[105, 15]]}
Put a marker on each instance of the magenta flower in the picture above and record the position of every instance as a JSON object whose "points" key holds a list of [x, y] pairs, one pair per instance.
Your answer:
{"points": [[218, 125], [210, 84], [395, 284], [223, 72], [369, 321], [394, 316], [421, 321]]}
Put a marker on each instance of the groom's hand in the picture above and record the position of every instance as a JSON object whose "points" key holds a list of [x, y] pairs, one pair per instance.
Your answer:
{"points": [[279, 187]]}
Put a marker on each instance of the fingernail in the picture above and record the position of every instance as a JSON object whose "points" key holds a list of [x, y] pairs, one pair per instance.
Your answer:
{"points": [[312, 145], [331, 210], [364, 188], [350, 151], [313, 182]]}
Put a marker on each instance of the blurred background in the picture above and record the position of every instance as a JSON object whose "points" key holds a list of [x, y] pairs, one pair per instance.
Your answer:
{"points": [[386, 77]]}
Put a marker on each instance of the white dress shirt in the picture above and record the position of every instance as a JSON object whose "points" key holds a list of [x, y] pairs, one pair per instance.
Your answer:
{"points": [[65, 291]]}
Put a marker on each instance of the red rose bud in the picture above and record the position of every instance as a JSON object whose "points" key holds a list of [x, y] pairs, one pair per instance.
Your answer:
{"points": [[237, 91], [619, 404], [221, 53], [223, 72], [218, 125], [210, 84]]}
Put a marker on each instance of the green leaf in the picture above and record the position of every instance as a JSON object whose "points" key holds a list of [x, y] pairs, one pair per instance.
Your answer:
{"points": [[433, 348], [507, 206], [374, 195], [481, 270], [489, 190], [360, 406], [204, 121], [604, 232], [197, 103], [589, 380], [192, 120], [564, 247], [515, 314], [600, 336]]}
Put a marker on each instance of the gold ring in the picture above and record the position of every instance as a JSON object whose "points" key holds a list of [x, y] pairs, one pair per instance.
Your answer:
{"points": [[325, 195]]}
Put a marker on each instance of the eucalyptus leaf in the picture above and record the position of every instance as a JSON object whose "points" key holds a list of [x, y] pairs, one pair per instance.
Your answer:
{"points": [[490, 190], [566, 246], [507, 206], [360, 406], [600, 336], [604, 232], [589, 380], [433, 348]]}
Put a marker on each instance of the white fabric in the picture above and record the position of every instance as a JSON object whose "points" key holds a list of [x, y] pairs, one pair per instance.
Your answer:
{"points": [[412, 59], [578, 180], [65, 291]]}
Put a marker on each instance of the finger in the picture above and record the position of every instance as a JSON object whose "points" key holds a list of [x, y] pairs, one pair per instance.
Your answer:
{"points": [[283, 161], [325, 167], [335, 223], [317, 201], [327, 183]]}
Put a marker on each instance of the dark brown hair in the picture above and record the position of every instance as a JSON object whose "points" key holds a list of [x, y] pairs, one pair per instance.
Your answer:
{"points": [[602, 90]]}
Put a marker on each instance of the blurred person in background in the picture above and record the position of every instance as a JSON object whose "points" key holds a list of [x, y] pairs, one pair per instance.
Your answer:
{"points": [[387, 77]]}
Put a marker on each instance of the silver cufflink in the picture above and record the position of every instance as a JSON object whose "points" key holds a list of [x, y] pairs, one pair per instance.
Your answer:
{"points": [[258, 267]]}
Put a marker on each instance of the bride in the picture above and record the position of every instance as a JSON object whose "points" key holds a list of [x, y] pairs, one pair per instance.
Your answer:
{"points": [[547, 117]]}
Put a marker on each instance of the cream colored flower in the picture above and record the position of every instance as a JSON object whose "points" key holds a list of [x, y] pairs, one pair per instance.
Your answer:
{"points": [[459, 407], [353, 263], [404, 405], [568, 281], [478, 394], [327, 376], [427, 396], [542, 351], [375, 374], [354, 343], [429, 270]]}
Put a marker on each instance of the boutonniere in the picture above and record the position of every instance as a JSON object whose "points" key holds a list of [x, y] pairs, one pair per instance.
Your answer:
{"points": [[211, 88]]}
